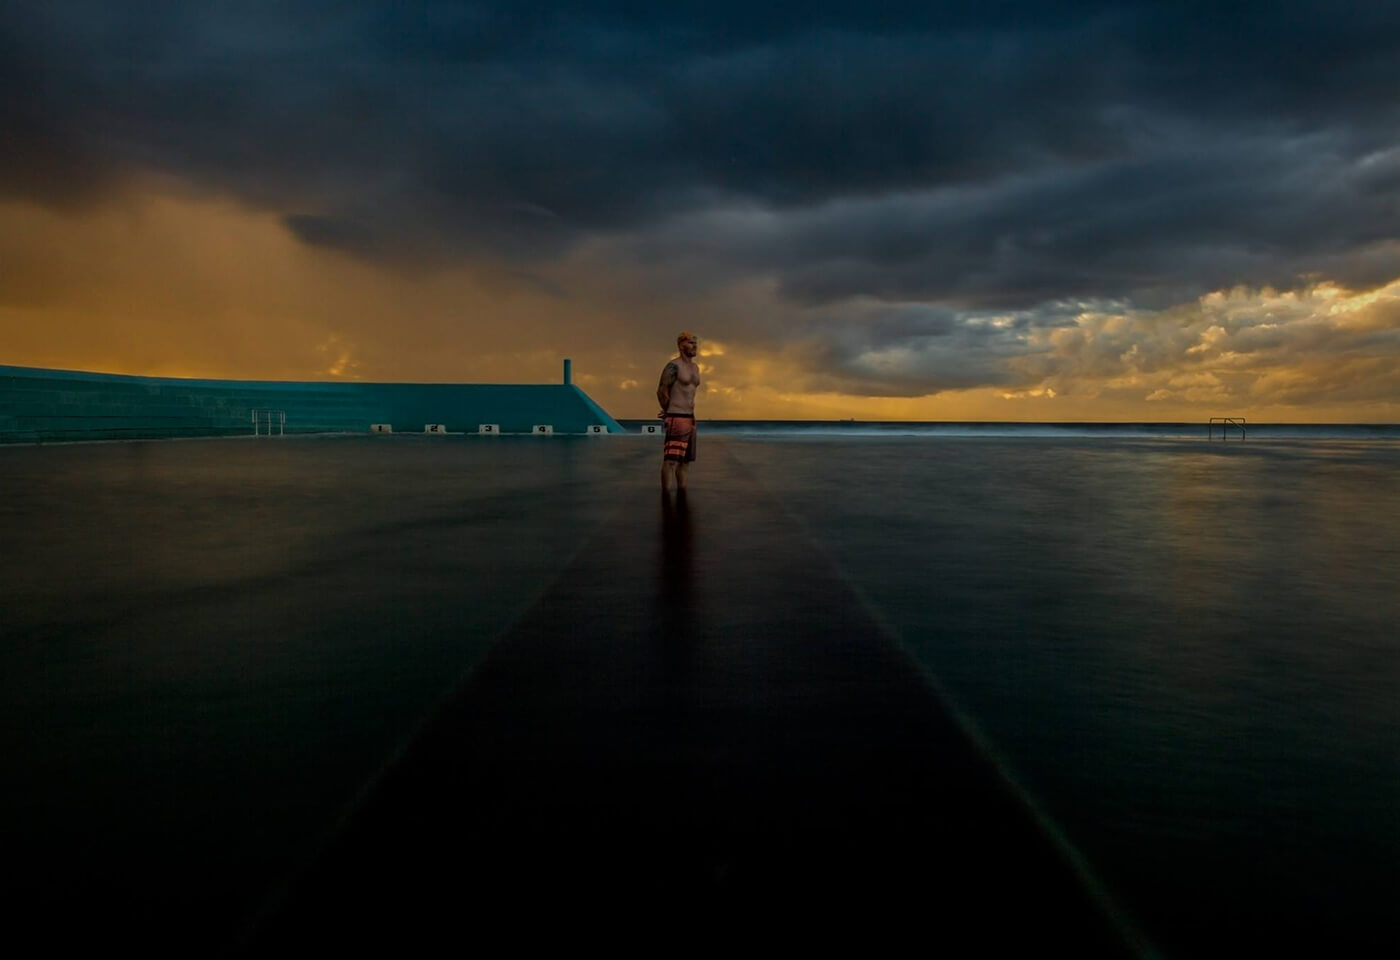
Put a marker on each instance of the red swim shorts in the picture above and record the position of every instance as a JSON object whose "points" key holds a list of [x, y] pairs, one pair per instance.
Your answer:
{"points": [[680, 437]]}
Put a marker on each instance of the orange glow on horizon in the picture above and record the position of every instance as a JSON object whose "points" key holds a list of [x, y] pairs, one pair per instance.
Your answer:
{"points": [[168, 284]]}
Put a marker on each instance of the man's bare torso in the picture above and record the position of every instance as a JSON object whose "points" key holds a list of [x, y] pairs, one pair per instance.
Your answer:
{"points": [[684, 386], [681, 379]]}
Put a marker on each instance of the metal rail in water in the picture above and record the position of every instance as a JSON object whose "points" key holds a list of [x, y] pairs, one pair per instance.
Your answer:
{"points": [[1225, 424]]}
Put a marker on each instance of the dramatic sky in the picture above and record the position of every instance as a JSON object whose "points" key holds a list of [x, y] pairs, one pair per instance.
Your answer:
{"points": [[983, 210]]}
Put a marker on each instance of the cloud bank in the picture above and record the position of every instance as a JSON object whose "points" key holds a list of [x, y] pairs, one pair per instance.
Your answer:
{"points": [[895, 200]]}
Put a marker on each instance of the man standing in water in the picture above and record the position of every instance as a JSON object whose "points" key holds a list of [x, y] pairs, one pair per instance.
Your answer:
{"points": [[676, 393]]}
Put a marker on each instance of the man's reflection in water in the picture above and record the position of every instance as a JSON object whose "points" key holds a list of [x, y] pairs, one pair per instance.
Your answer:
{"points": [[674, 612], [676, 564]]}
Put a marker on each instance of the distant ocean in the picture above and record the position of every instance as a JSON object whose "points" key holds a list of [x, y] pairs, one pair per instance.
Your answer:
{"points": [[1011, 428]]}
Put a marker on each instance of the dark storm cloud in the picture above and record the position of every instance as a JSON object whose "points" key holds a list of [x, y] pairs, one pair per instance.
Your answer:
{"points": [[990, 154], [1161, 228], [910, 350]]}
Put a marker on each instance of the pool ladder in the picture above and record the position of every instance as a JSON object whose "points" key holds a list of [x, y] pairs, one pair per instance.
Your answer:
{"points": [[269, 418], [1225, 424]]}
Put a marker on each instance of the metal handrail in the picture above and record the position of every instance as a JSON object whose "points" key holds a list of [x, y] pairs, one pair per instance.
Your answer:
{"points": [[1225, 424], [261, 416]]}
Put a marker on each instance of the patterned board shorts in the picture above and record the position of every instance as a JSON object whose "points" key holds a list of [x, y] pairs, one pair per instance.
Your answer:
{"points": [[680, 437]]}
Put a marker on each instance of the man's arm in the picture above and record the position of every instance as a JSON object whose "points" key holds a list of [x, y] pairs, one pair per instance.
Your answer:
{"points": [[663, 389]]}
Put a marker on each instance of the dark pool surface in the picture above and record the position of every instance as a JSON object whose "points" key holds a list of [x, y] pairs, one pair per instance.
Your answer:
{"points": [[208, 647], [1186, 651], [1182, 655]]}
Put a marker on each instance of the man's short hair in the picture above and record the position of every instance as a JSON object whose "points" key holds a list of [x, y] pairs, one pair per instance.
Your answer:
{"points": [[685, 335]]}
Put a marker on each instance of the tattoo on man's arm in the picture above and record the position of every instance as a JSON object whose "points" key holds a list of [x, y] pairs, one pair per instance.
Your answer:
{"points": [[663, 389]]}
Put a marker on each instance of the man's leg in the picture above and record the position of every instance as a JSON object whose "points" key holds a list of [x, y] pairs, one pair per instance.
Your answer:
{"points": [[681, 469], [668, 475]]}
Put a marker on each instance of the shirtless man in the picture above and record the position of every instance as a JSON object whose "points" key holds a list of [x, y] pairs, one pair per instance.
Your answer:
{"points": [[676, 393]]}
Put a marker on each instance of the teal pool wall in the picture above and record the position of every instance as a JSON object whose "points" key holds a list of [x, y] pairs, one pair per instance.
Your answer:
{"points": [[39, 406]]}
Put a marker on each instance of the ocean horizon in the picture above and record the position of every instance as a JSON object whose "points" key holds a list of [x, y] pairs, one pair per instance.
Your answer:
{"points": [[874, 429], [1185, 430]]}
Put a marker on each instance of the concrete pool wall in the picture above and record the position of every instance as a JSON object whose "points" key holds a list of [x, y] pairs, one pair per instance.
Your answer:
{"points": [[40, 405]]}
